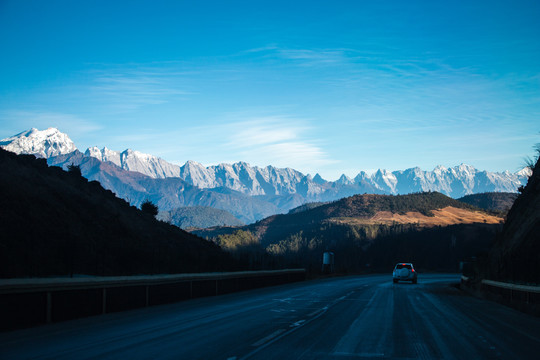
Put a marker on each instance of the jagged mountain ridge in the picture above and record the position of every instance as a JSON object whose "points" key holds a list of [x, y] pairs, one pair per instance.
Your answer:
{"points": [[252, 180], [249, 192], [168, 193]]}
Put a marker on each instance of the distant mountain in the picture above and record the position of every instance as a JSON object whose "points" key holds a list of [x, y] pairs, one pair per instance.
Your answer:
{"points": [[249, 193], [167, 193], [199, 217], [494, 201], [46, 143], [136, 161], [57, 223]]}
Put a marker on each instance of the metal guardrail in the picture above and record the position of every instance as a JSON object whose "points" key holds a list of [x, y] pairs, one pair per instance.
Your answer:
{"points": [[514, 287], [27, 302], [522, 297], [8, 286]]}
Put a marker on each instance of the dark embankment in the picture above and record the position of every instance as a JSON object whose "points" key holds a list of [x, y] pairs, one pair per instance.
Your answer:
{"points": [[56, 223], [516, 254]]}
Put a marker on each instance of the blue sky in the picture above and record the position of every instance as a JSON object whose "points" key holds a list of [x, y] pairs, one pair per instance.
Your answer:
{"points": [[320, 86]]}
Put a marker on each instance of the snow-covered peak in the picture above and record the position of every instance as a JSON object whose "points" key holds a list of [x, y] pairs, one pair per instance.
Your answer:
{"points": [[317, 179], [465, 169], [93, 152], [344, 180], [525, 172], [440, 169], [104, 154], [44, 143]]}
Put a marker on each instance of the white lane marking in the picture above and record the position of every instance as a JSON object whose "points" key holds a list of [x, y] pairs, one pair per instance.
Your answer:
{"points": [[365, 354], [282, 333], [298, 323], [268, 338]]}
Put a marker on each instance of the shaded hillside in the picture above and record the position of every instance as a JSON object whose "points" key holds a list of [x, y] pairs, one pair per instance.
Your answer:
{"points": [[494, 201], [307, 206], [199, 217], [56, 223], [368, 232], [366, 210], [516, 254]]}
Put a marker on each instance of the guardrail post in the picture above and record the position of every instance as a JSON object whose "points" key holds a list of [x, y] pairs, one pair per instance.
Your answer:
{"points": [[49, 307], [104, 301]]}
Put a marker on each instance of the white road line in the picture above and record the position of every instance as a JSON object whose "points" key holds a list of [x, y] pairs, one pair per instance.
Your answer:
{"points": [[268, 338]]}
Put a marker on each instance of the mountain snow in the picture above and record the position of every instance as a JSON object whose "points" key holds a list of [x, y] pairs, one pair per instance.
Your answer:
{"points": [[131, 160], [271, 181], [46, 143]]}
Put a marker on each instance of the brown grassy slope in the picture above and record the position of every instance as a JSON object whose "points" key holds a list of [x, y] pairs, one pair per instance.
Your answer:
{"points": [[441, 217]]}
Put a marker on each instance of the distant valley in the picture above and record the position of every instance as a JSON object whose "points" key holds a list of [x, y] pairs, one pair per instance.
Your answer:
{"points": [[370, 232]]}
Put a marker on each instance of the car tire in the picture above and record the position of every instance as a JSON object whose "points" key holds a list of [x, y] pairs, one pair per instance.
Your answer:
{"points": [[414, 281], [394, 281]]}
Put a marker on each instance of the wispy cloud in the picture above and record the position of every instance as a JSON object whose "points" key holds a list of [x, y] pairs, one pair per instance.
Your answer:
{"points": [[314, 57], [303, 57], [130, 88], [278, 140], [281, 141], [262, 131]]}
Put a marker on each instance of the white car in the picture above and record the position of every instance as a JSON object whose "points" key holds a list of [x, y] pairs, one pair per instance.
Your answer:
{"points": [[404, 272]]}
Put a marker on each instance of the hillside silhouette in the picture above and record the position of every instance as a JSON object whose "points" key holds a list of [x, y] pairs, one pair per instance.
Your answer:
{"points": [[57, 223], [516, 254]]}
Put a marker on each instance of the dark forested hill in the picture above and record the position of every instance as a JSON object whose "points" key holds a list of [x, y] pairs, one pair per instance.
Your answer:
{"points": [[492, 201], [372, 231], [56, 223]]}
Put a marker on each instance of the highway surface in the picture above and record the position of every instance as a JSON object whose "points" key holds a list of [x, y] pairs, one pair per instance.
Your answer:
{"points": [[359, 317]]}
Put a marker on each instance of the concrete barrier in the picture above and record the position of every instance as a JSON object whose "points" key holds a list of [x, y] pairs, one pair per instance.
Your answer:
{"points": [[29, 302]]}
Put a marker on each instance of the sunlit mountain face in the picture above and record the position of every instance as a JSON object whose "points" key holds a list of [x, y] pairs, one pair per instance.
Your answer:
{"points": [[248, 192]]}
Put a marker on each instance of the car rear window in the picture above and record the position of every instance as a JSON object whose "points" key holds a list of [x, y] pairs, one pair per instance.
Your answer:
{"points": [[401, 266]]}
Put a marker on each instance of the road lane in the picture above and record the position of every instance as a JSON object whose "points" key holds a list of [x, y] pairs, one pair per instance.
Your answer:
{"points": [[341, 318]]}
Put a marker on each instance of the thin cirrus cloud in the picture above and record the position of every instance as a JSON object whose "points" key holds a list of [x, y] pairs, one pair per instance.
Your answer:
{"points": [[131, 89], [304, 57], [280, 141]]}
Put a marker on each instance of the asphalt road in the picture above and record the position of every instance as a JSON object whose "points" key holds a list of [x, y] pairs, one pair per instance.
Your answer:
{"points": [[361, 317]]}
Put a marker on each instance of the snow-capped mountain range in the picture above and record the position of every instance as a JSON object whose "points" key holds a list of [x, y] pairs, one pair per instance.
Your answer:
{"points": [[283, 188], [46, 143]]}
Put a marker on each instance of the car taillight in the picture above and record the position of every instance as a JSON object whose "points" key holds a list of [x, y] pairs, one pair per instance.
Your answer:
{"points": [[412, 270]]}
